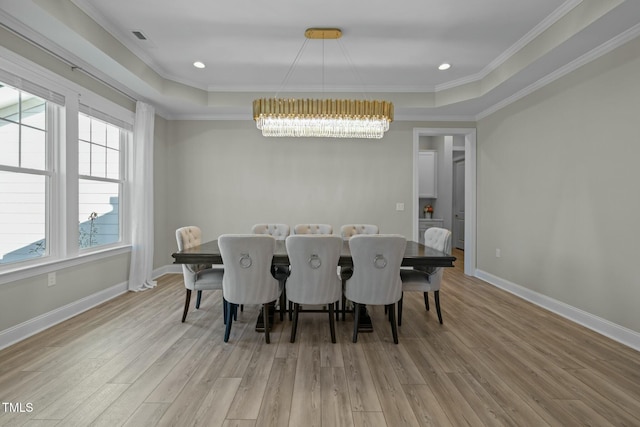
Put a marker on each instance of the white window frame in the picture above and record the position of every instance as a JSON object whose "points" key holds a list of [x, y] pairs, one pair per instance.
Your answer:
{"points": [[52, 126], [62, 228], [126, 139]]}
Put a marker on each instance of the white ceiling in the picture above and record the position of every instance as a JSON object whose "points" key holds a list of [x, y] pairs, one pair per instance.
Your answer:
{"points": [[497, 48]]}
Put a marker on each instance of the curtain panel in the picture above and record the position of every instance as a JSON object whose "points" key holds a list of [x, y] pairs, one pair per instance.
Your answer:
{"points": [[142, 200]]}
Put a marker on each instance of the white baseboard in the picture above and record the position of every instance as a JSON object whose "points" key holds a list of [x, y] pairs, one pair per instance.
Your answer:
{"points": [[167, 269], [37, 324], [602, 326]]}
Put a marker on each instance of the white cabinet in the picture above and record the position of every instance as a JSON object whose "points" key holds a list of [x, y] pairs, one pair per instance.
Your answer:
{"points": [[427, 173]]}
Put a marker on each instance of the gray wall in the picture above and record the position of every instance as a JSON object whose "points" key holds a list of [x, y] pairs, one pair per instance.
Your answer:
{"points": [[26, 299], [225, 177], [558, 189]]}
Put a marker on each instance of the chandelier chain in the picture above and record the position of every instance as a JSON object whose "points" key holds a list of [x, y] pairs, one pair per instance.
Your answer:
{"points": [[292, 67], [354, 69]]}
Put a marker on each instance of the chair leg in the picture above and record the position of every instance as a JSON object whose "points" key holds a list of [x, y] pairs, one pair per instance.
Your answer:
{"points": [[294, 326], [356, 321], [198, 298], [224, 310], [392, 317], [337, 309], [436, 296], [290, 310], [332, 325], [426, 300], [400, 309], [186, 305], [265, 314], [229, 313]]}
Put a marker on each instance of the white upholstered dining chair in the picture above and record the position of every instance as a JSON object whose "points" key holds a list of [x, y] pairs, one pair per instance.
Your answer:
{"points": [[247, 277], [279, 231], [313, 229], [280, 272], [196, 277], [314, 279], [347, 231], [376, 275], [427, 279]]}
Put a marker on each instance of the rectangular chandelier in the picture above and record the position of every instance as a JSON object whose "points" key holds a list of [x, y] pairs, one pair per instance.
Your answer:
{"points": [[329, 118]]}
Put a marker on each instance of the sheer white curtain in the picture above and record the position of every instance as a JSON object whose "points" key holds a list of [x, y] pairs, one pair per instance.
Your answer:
{"points": [[142, 200]]}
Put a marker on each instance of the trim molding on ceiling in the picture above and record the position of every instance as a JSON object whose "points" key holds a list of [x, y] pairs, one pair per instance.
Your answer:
{"points": [[590, 56], [542, 26]]}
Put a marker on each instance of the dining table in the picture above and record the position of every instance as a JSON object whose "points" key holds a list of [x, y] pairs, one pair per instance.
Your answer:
{"points": [[415, 255]]}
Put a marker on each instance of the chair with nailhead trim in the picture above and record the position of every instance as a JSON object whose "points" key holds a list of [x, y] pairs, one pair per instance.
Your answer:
{"points": [[427, 279], [280, 232], [313, 229], [376, 275], [314, 279], [247, 277], [347, 231], [197, 277]]}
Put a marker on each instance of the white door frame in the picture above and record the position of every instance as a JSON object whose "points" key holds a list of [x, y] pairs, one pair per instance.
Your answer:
{"points": [[469, 189]]}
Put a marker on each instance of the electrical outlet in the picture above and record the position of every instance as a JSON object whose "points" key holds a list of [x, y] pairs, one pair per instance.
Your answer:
{"points": [[51, 279], [399, 206], [498, 253]]}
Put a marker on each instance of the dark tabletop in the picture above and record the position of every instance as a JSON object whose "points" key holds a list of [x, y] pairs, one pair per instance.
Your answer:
{"points": [[415, 254]]}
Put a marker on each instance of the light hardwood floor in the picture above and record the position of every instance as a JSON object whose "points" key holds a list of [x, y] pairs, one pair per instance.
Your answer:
{"points": [[497, 360]]}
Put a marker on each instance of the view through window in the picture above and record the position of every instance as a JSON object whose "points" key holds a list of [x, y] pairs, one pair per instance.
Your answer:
{"points": [[24, 175], [100, 187], [32, 205]]}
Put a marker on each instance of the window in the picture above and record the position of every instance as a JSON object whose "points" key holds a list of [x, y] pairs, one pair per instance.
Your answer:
{"points": [[25, 174], [63, 172], [100, 169]]}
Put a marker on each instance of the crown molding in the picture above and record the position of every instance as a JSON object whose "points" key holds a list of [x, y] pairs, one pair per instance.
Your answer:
{"points": [[133, 46], [590, 56], [34, 38], [536, 31]]}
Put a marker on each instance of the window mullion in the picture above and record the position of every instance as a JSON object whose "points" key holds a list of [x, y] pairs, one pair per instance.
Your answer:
{"points": [[20, 129], [71, 178], [53, 195]]}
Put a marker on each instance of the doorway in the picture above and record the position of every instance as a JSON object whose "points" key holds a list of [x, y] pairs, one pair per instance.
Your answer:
{"points": [[457, 224], [469, 167]]}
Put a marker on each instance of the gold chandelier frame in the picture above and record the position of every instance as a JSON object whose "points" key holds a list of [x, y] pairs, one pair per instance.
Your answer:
{"points": [[336, 118]]}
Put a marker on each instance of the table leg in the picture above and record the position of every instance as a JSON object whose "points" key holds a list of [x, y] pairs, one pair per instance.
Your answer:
{"points": [[260, 320], [365, 320]]}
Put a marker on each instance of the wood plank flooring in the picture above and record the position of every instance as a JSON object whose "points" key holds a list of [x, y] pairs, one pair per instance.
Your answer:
{"points": [[497, 360]]}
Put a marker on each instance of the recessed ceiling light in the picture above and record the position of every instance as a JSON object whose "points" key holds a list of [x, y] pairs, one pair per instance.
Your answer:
{"points": [[444, 66], [198, 64]]}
